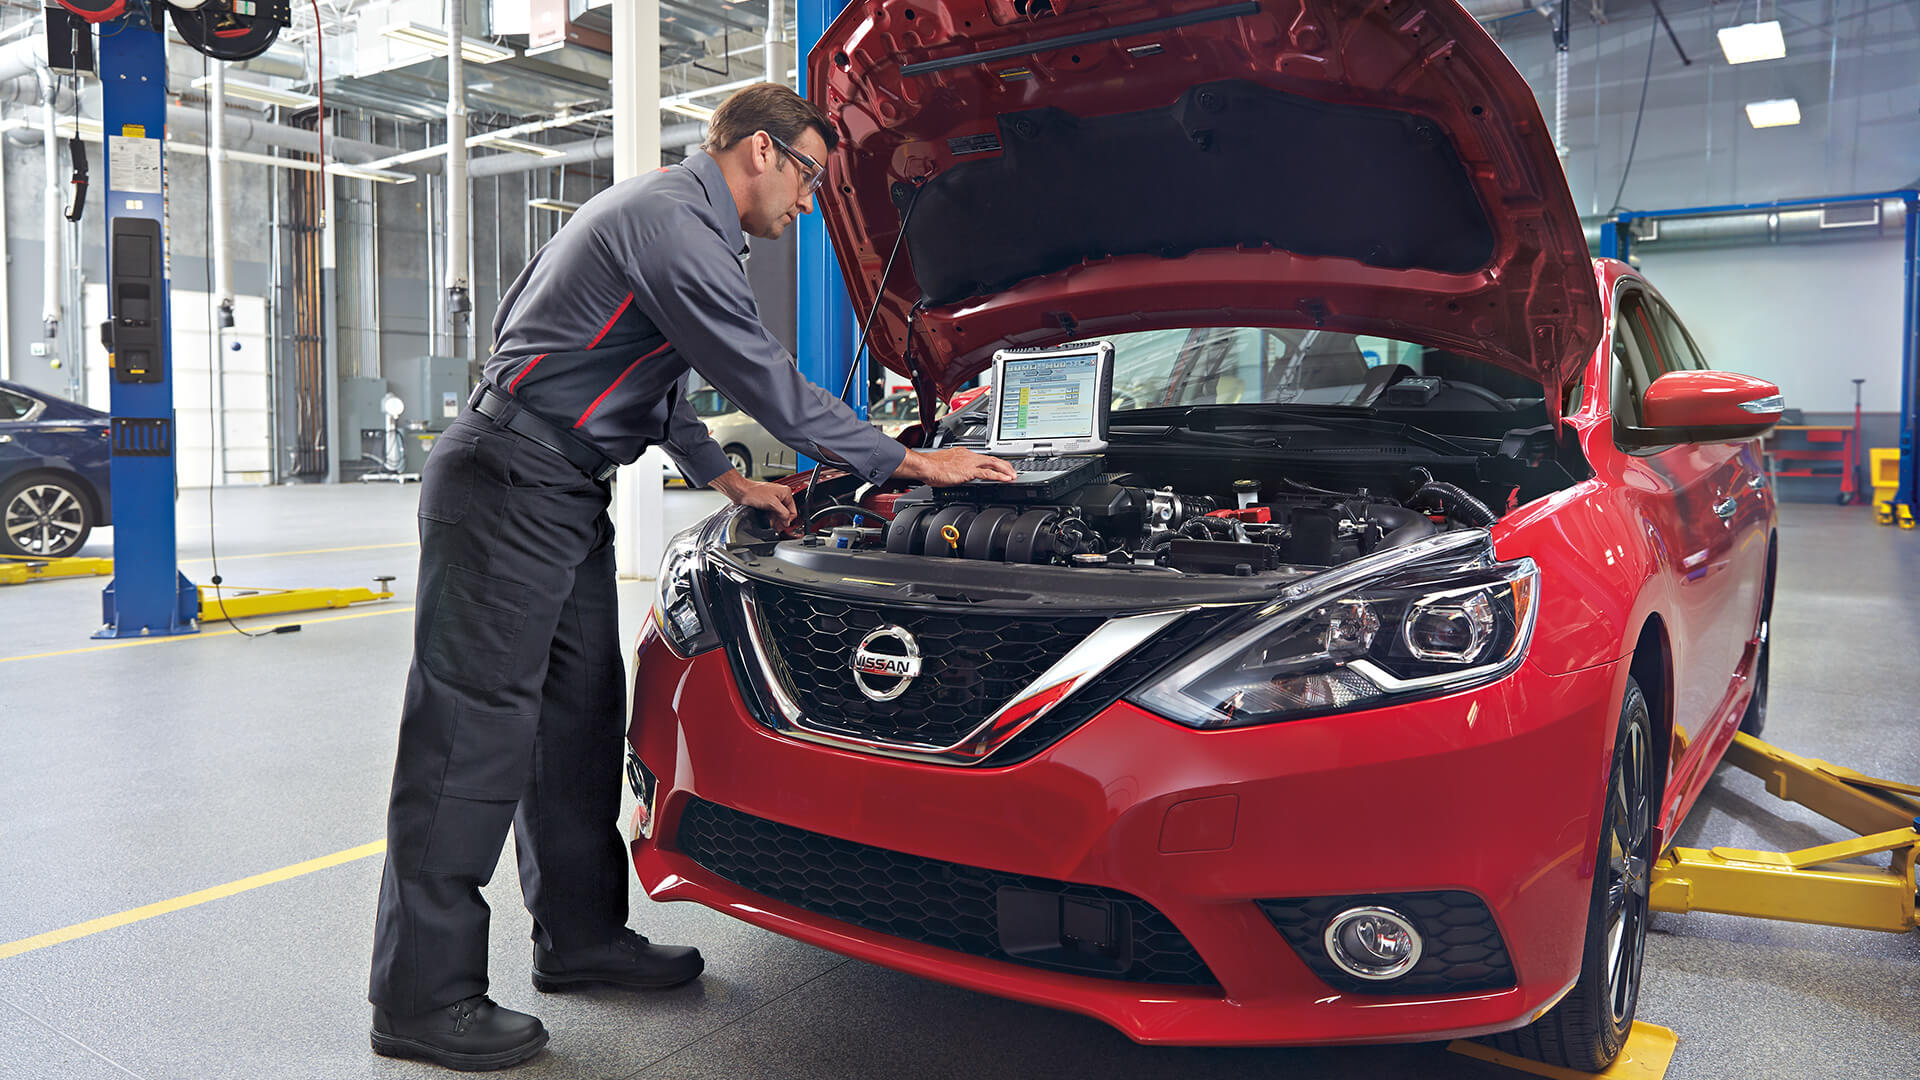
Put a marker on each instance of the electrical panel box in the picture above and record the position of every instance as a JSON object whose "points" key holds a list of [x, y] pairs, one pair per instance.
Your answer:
{"points": [[137, 301], [69, 43]]}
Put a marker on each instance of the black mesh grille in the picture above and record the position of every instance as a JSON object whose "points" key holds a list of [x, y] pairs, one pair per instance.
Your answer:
{"points": [[1463, 949], [939, 903], [972, 662], [1109, 685]]}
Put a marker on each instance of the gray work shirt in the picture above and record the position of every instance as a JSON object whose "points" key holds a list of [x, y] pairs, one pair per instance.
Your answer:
{"points": [[644, 283]]}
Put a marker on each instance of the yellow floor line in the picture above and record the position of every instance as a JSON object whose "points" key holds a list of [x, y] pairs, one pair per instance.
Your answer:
{"points": [[109, 922], [205, 634], [303, 551]]}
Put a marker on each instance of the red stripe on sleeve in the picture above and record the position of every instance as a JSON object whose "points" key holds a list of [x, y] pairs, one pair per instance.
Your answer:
{"points": [[617, 312], [524, 370], [664, 346]]}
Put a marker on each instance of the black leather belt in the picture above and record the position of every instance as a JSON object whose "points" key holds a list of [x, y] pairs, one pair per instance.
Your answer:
{"points": [[509, 414]]}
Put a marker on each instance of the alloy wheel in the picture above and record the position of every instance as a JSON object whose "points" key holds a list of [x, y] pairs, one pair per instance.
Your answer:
{"points": [[1629, 832], [46, 519]]}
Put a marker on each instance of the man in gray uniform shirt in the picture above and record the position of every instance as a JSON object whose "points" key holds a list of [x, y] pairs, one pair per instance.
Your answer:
{"points": [[514, 708]]}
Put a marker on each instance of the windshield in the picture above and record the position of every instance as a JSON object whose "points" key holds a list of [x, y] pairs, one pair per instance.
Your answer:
{"points": [[1242, 365]]}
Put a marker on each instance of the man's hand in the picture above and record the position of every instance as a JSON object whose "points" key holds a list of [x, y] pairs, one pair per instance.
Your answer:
{"points": [[775, 499], [945, 468]]}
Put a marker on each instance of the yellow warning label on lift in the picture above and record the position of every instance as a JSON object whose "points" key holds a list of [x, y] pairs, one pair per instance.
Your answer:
{"points": [[133, 131]]}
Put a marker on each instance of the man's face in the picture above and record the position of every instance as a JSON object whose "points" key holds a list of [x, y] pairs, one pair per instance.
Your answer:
{"points": [[781, 193]]}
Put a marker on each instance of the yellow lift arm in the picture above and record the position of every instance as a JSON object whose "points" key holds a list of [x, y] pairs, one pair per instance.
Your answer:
{"points": [[15, 570], [1807, 886]]}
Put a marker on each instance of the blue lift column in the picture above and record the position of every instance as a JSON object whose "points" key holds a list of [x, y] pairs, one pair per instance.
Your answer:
{"points": [[149, 596], [823, 316]]}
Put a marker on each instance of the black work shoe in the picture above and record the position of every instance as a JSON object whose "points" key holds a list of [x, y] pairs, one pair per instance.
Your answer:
{"points": [[473, 1035], [629, 961]]}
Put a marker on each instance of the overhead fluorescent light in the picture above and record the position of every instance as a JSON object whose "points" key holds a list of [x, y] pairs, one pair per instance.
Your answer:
{"points": [[687, 108], [554, 204], [1781, 112], [384, 176], [266, 95], [1749, 42], [434, 40], [519, 146]]}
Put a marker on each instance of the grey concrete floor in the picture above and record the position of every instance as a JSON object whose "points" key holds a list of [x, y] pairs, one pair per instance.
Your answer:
{"points": [[133, 775]]}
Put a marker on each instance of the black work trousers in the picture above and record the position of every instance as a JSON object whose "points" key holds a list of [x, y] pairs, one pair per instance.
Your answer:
{"points": [[514, 712]]}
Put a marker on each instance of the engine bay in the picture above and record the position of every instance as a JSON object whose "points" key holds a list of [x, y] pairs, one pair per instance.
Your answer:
{"points": [[1123, 519]]}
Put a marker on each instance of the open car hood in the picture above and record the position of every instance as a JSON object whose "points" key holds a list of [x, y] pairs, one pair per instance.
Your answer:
{"points": [[1077, 168]]}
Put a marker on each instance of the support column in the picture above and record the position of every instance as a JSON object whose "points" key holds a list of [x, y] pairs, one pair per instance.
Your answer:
{"points": [[459, 300], [639, 506], [149, 596], [823, 318], [1908, 497]]}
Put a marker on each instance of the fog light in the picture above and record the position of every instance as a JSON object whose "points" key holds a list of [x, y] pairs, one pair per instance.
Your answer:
{"points": [[1373, 943]]}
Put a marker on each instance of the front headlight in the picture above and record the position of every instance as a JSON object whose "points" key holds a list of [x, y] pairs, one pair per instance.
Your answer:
{"points": [[1423, 630], [680, 602]]}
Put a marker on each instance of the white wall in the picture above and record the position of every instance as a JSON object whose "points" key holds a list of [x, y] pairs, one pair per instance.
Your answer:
{"points": [[1810, 317], [243, 433]]}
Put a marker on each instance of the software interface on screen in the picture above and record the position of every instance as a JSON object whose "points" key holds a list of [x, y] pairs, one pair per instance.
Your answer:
{"points": [[1051, 397]]}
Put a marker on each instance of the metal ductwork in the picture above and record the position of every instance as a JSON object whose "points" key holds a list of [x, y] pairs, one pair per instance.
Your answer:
{"points": [[243, 130], [1800, 225], [676, 137], [282, 60]]}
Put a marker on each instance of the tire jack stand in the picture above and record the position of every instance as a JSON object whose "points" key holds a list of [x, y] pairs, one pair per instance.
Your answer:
{"points": [[1808, 886]]}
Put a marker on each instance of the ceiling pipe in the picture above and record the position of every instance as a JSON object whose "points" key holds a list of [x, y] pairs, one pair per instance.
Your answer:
{"points": [[241, 129], [1562, 62], [53, 212], [1800, 225], [680, 137], [217, 197], [771, 41], [458, 302]]}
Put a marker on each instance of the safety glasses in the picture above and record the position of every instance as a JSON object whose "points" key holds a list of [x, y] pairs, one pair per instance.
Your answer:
{"points": [[813, 172]]}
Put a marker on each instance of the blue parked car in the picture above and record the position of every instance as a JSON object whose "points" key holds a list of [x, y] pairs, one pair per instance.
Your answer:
{"points": [[54, 473]]}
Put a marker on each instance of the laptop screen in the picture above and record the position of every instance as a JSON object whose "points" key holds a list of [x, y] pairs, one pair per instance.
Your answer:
{"points": [[1049, 397]]}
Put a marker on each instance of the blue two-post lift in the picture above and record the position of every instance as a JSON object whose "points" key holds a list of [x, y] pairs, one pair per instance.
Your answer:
{"points": [[148, 596], [823, 316], [1616, 243]]}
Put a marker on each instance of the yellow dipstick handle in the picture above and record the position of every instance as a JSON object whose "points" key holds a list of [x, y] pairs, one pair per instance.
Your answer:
{"points": [[951, 535]]}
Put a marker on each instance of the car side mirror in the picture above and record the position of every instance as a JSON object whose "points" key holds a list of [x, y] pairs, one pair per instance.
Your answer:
{"points": [[1705, 407]]}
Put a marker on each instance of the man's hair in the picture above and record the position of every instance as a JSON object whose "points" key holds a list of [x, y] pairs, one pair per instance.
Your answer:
{"points": [[767, 107]]}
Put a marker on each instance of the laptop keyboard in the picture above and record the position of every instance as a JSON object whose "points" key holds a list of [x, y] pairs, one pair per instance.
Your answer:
{"points": [[1047, 465]]}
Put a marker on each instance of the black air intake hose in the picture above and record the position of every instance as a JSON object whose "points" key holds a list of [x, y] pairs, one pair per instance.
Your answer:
{"points": [[1402, 526], [1458, 505]]}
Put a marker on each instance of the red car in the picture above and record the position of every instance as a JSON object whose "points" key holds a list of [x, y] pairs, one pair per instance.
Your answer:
{"points": [[1422, 584]]}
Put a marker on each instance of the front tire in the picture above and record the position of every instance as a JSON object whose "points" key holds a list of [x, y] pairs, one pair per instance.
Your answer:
{"points": [[1589, 1026], [44, 517], [741, 459]]}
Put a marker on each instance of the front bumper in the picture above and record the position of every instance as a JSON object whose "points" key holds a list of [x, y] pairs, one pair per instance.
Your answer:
{"points": [[1495, 792]]}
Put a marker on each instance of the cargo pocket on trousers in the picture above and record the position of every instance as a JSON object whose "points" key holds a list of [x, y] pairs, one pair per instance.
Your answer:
{"points": [[466, 836], [491, 757], [477, 622], [447, 484]]}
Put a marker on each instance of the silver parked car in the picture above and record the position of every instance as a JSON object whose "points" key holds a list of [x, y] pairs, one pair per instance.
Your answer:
{"points": [[753, 452]]}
